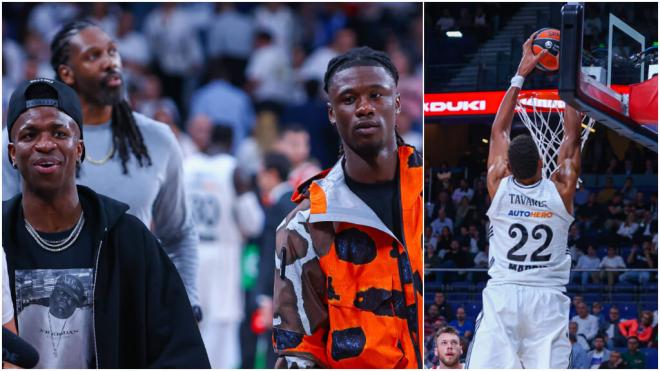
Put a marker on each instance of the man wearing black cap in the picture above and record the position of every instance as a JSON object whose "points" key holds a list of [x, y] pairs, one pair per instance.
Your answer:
{"points": [[70, 248]]}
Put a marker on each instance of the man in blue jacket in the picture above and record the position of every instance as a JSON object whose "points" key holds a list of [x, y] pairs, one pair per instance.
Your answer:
{"points": [[91, 286]]}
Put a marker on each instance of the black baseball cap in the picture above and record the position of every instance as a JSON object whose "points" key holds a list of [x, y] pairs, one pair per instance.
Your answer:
{"points": [[44, 92]]}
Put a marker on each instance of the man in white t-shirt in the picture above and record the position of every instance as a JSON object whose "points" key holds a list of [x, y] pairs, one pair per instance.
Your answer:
{"points": [[440, 222], [587, 323], [599, 354], [7, 303], [462, 191], [610, 262]]}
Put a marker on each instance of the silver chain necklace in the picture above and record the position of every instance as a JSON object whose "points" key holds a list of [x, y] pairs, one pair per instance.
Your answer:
{"points": [[59, 245]]}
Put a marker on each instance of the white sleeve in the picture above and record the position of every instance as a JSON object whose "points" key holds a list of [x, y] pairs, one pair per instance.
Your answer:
{"points": [[249, 214], [7, 306]]}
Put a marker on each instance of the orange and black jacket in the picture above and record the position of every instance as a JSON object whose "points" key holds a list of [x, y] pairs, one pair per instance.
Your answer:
{"points": [[348, 293]]}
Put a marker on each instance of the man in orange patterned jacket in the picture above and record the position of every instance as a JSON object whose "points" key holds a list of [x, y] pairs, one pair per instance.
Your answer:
{"points": [[348, 265]]}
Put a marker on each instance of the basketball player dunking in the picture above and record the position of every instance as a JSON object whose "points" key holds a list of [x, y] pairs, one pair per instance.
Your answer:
{"points": [[524, 321]]}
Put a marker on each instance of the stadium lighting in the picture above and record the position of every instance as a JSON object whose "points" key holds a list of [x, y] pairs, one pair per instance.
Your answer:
{"points": [[454, 34], [484, 140]]}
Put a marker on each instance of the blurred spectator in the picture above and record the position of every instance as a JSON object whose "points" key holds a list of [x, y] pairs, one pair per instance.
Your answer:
{"points": [[599, 354], [462, 191], [441, 222], [639, 260], [268, 73], [293, 142], [597, 311], [316, 63], [446, 21], [464, 326], [224, 103], [462, 210], [627, 229], [176, 48], [628, 191], [133, 46], [607, 192], [580, 338], [587, 323], [610, 329], [106, 16], [48, 18], [443, 241], [200, 128], [615, 362], [444, 308], [465, 21], [579, 357], [650, 167], [405, 130], [230, 38], [410, 88], [614, 214], [589, 261], [633, 357], [476, 241], [445, 203], [278, 20], [610, 262], [151, 99], [165, 115], [641, 330], [276, 196]]}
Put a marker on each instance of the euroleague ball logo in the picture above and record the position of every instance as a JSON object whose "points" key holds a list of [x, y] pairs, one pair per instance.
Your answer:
{"points": [[548, 44]]}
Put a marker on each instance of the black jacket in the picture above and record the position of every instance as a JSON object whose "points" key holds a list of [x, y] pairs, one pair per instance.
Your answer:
{"points": [[141, 313]]}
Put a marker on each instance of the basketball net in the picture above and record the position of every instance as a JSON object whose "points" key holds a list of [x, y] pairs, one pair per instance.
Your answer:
{"points": [[538, 110]]}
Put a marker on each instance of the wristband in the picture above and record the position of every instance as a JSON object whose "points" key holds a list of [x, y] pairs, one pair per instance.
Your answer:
{"points": [[517, 81]]}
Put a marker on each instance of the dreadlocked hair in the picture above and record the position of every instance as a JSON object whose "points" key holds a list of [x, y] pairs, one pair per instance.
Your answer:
{"points": [[125, 132], [363, 56]]}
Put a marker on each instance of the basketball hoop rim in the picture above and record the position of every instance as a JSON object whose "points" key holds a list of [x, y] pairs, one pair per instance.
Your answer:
{"points": [[524, 98]]}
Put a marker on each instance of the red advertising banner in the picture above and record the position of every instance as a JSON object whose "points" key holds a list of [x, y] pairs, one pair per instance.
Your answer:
{"points": [[476, 103]]}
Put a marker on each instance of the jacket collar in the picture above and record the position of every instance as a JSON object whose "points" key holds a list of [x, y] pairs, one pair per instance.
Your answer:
{"points": [[332, 200]]}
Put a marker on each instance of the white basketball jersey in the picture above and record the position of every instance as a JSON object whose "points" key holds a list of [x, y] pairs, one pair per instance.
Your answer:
{"points": [[528, 235], [210, 187]]}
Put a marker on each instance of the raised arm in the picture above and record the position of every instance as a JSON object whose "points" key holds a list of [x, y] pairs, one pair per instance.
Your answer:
{"points": [[569, 160], [499, 133]]}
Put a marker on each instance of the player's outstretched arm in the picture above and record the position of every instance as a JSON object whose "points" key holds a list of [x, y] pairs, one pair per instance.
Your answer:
{"points": [[569, 159], [499, 133]]}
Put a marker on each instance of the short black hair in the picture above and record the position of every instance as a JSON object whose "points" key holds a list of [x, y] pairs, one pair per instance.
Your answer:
{"points": [[293, 128], [523, 157], [362, 56], [222, 135], [278, 162]]}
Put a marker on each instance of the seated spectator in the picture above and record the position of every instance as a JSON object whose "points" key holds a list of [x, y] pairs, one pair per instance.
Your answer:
{"points": [[640, 204], [444, 308], [579, 357], [429, 238], [587, 323], [445, 203], [444, 240], [628, 192], [589, 261], [614, 214], [610, 329], [462, 210], [597, 310], [464, 326], [627, 230], [610, 262], [639, 260], [462, 191], [615, 362], [589, 212], [579, 338], [477, 242], [441, 221], [431, 260], [481, 261], [294, 143], [599, 354], [633, 357], [605, 195], [641, 330]]}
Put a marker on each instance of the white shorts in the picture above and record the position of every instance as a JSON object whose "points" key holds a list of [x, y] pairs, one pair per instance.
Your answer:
{"points": [[521, 327]]}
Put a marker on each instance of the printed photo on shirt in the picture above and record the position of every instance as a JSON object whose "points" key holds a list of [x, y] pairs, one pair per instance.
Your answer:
{"points": [[54, 309]]}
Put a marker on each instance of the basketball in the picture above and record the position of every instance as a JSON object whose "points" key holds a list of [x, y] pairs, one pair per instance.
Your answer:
{"points": [[547, 38]]}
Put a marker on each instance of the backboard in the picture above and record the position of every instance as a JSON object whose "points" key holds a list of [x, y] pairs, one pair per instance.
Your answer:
{"points": [[602, 59]]}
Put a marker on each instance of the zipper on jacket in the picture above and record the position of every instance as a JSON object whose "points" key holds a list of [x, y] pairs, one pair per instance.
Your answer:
{"points": [[96, 273]]}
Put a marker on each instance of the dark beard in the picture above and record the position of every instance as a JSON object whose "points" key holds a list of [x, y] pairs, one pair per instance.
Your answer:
{"points": [[102, 94]]}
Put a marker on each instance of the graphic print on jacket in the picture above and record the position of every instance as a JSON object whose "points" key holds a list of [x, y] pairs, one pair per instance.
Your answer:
{"points": [[346, 290]]}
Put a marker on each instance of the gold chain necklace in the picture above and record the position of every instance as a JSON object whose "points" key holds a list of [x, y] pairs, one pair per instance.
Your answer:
{"points": [[104, 159]]}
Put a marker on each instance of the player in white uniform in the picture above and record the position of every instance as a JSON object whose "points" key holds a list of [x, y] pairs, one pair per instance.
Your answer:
{"points": [[225, 214], [524, 321]]}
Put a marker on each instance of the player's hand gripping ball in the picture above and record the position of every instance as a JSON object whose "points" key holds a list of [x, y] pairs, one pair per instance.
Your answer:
{"points": [[547, 38]]}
